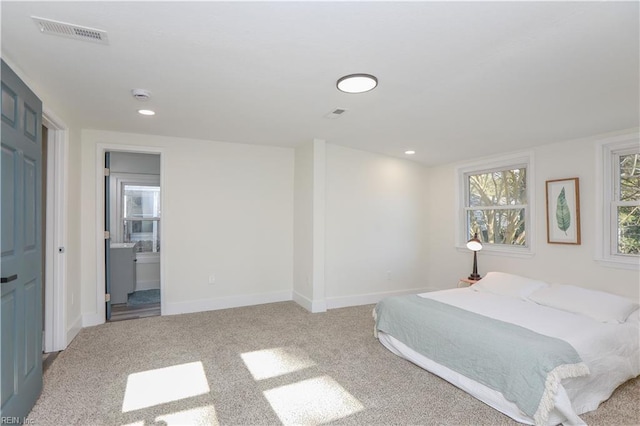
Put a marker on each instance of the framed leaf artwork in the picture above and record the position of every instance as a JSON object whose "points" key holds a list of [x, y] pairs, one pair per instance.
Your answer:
{"points": [[563, 211]]}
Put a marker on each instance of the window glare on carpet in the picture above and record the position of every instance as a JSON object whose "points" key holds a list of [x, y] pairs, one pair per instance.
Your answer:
{"points": [[159, 386], [314, 401], [205, 416], [275, 362]]}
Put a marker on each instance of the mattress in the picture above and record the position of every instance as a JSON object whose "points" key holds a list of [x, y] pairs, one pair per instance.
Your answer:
{"points": [[611, 351]]}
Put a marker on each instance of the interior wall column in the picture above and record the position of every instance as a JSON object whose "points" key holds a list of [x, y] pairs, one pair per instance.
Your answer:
{"points": [[319, 303]]}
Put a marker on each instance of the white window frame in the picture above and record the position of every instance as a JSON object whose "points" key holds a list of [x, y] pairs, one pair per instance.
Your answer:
{"points": [[118, 180], [504, 162], [607, 173]]}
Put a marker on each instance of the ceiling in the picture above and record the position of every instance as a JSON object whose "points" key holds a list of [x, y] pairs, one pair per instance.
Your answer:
{"points": [[457, 80]]}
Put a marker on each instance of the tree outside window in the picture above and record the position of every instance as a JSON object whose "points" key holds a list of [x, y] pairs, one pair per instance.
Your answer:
{"points": [[626, 203], [496, 206]]}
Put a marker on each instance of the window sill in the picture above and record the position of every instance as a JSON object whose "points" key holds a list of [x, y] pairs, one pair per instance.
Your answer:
{"points": [[492, 251], [630, 264]]}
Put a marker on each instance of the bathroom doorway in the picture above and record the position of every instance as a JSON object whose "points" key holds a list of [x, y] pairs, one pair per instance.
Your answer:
{"points": [[132, 250]]}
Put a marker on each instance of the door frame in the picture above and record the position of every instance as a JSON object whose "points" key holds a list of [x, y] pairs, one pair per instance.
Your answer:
{"points": [[101, 148], [55, 268]]}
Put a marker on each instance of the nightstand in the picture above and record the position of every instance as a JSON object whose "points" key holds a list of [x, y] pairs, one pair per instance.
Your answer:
{"points": [[466, 282]]}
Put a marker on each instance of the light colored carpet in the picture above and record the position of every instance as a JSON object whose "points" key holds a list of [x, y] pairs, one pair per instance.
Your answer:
{"points": [[260, 365]]}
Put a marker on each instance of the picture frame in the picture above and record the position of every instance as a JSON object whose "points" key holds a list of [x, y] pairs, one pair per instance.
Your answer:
{"points": [[563, 211]]}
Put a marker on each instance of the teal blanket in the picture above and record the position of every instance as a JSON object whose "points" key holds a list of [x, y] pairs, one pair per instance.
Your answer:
{"points": [[526, 367]]}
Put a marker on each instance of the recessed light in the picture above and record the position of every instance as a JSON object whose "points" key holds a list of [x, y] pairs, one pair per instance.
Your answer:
{"points": [[146, 112], [357, 83], [409, 152]]}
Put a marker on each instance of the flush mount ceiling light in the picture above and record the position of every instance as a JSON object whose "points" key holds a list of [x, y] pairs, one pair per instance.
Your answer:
{"points": [[410, 152], [146, 112], [357, 83]]}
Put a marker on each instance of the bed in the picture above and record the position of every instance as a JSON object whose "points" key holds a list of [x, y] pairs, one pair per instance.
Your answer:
{"points": [[539, 353]]}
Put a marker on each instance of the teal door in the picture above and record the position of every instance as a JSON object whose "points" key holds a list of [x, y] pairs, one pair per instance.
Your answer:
{"points": [[21, 261]]}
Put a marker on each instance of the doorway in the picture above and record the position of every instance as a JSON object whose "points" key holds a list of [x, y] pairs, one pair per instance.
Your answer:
{"points": [[132, 253]]}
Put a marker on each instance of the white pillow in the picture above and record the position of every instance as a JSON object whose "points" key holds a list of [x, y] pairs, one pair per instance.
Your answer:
{"points": [[601, 306], [508, 285]]}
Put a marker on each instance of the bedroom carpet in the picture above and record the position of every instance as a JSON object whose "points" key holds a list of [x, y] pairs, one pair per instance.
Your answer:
{"points": [[260, 365]]}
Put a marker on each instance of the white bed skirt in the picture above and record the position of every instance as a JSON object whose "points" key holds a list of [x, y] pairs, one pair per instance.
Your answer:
{"points": [[562, 413]]}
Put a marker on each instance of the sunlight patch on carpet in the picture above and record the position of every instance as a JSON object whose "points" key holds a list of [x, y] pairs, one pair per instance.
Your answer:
{"points": [[200, 416], [275, 362], [313, 401], [154, 387]]}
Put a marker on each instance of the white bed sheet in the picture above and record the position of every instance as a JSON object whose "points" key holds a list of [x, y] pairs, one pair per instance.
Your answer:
{"points": [[611, 351]]}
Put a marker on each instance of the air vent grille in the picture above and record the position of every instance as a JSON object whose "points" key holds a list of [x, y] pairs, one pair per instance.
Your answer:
{"points": [[336, 113], [77, 32]]}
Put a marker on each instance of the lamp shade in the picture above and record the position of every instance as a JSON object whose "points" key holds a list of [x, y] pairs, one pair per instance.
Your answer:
{"points": [[474, 244]]}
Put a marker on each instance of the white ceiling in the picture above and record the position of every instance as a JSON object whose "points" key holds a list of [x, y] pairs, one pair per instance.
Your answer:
{"points": [[456, 80]]}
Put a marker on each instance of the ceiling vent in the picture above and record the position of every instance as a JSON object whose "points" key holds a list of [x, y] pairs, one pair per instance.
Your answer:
{"points": [[336, 113], [62, 29], [141, 94]]}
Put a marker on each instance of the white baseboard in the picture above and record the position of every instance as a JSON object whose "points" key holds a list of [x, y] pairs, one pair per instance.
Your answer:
{"points": [[310, 305], [313, 306], [369, 299], [148, 285], [301, 300], [73, 330], [224, 303]]}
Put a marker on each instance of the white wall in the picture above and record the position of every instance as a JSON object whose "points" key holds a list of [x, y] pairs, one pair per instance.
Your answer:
{"points": [[227, 211], [240, 225], [303, 225], [556, 263], [73, 246], [375, 226]]}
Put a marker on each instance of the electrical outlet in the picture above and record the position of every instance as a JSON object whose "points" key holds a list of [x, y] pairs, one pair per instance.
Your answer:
{"points": [[212, 279]]}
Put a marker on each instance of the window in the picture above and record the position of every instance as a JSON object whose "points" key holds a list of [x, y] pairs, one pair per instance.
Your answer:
{"points": [[136, 210], [141, 217], [626, 202], [619, 176], [495, 202]]}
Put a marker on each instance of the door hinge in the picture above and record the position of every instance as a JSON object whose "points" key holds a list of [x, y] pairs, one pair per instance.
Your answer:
{"points": [[107, 235], [107, 171], [107, 297]]}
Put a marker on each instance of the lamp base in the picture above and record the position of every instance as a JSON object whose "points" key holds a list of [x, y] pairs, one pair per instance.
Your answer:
{"points": [[475, 277]]}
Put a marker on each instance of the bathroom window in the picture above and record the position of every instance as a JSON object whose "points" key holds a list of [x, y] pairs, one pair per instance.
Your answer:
{"points": [[141, 216]]}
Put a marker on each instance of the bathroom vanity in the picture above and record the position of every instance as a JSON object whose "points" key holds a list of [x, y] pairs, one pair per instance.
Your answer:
{"points": [[123, 271]]}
